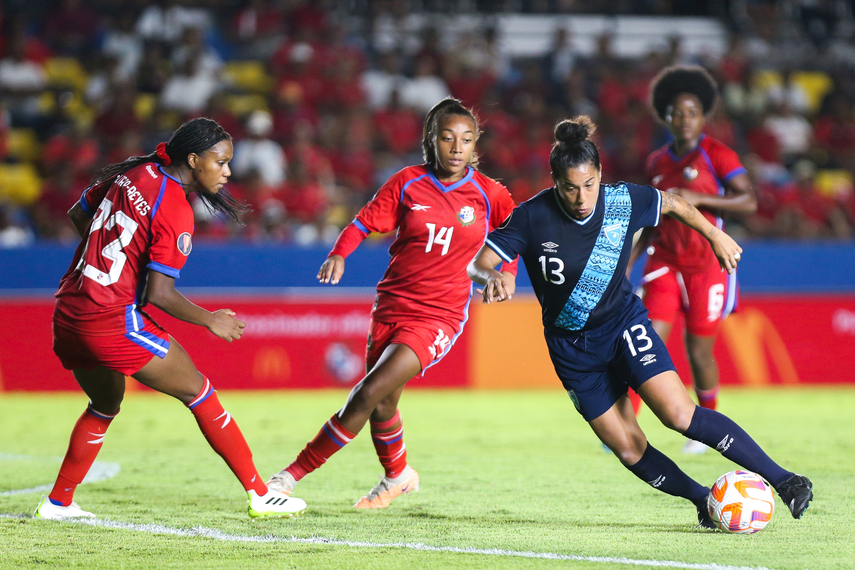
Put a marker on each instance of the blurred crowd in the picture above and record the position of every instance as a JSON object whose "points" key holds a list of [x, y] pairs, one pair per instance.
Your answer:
{"points": [[325, 100]]}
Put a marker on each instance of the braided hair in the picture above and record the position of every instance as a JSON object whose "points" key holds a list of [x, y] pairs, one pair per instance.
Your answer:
{"points": [[446, 107], [573, 146], [193, 137], [672, 81]]}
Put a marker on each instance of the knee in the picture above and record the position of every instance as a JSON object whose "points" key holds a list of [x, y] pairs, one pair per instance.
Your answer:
{"points": [[107, 406], [678, 418]]}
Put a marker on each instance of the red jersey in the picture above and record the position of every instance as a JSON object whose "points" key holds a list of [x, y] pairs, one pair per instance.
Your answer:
{"points": [[440, 229], [705, 170], [142, 221]]}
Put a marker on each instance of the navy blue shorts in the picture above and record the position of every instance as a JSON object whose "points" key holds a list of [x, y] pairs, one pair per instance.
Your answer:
{"points": [[597, 366]]}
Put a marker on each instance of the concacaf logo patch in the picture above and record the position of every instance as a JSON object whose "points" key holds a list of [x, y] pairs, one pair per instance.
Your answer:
{"points": [[185, 243], [466, 215]]}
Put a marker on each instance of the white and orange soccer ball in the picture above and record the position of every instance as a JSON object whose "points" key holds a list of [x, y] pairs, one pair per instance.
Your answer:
{"points": [[741, 502]]}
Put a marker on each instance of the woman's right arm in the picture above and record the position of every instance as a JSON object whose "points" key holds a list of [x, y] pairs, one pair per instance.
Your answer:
{"points": [[80, 220], [161, 292], [498, 286], [333, 266]]}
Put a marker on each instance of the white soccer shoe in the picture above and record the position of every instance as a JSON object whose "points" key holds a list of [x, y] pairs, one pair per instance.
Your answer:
{"points": [[283, 482], [387, 489], [693, 447], [274, 504], [47, 510]]}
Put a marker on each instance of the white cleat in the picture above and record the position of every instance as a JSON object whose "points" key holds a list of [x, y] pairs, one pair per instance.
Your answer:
{"points": [[693, 447], [47, 510], [283, 482], [274, 504]]}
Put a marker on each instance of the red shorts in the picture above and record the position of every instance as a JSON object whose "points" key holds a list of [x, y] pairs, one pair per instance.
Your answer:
{"points": [[430, 340], [705, 297], [125, 351]]}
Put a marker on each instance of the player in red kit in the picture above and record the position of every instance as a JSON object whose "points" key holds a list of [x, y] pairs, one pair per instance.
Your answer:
{"points": [[682, 275], [442, 211], [137, 226]]}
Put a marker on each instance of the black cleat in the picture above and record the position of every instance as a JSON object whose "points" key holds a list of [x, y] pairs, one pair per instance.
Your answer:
{"points": [[797, 493], [704, 518]]}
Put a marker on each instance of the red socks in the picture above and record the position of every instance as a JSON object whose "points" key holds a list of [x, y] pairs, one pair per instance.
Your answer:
{"points": [[388, 440], [225, 438], [332, 437], [707, 398], [83, 447]]}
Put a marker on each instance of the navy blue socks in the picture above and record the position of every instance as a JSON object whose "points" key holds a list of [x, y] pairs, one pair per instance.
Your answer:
{"points": [[655, 469], [722, 434]]}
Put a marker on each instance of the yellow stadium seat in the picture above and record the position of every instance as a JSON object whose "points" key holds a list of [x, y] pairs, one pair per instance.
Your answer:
{"points": [[23, 144], [249, 76], [834, 182], [65, 72], [766, 79], [144, 105], [241, 105], [816, 84], [20, 183]]}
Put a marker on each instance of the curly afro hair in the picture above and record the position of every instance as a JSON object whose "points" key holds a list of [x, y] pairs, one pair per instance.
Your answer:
{"points": [[677, 79]]}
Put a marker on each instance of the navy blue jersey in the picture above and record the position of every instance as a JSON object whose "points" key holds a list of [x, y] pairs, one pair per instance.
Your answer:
{"points": [[578, 267]]}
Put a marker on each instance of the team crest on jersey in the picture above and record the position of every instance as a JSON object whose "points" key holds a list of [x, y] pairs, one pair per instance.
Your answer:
{"points": [[466, 215], [690, 173], [185, 243], [613, 233]]}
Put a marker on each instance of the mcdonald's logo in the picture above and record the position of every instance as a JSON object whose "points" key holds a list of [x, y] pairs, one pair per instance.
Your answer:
{"points": [[754, 343], [271, 365]]}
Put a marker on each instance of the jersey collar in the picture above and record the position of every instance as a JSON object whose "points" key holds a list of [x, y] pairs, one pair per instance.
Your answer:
{"points": [[680, 158], [470, 172], [160, 168]]}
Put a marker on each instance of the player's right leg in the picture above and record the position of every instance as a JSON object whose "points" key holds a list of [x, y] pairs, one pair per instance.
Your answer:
{"points": [[105, 389], [397, 365], [176, 375]]}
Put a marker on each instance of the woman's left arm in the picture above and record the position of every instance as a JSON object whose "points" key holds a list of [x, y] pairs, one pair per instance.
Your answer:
{"points": [[739, 197], [724, 247]]}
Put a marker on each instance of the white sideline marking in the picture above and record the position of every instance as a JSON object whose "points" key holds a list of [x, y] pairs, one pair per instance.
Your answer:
{"points": [[99, 472], [226, 537]]}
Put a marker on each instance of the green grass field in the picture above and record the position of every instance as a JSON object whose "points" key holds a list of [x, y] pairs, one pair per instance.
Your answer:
{"points": [[508, 480]]}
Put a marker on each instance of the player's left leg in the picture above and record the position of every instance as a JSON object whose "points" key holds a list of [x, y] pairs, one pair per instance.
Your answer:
{"points": [[619, 430], [676, 410], [106, 389]]}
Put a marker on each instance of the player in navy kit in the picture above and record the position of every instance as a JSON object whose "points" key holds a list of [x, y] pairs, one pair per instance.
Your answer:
{"points": [[137, 225], [575, 241], [682, 276], [442, 211]]}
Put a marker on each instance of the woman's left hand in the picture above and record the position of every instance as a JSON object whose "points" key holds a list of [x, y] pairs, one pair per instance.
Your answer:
{"points": [[726, 250]]}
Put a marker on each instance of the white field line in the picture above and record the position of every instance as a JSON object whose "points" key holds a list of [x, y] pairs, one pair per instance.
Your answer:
{"points": [[101, 471], [215, 534]]}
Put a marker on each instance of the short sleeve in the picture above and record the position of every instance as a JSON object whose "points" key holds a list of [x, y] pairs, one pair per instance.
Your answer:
{"points": [[93, 196], [171, 234], [725, 162], [510, 239], [382, 213], [502, 204], [646, 205]]}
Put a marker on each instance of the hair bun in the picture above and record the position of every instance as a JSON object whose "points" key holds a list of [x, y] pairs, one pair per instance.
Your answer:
{"points": [[574, 131]]}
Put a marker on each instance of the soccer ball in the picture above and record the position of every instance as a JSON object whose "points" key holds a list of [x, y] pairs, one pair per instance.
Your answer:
{"points": [[741, 502]]}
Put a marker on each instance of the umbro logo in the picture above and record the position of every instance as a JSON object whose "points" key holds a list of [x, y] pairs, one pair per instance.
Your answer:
{"points": [[657, 482], [724, 444], [419, 208], [648, 359], [550, 246]]}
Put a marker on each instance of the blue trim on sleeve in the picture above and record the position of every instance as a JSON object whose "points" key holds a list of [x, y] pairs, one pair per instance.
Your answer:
{"points": [[658, 206], [165, 269], [505, 257], [85, 205], [735, 172], [360, 226]]}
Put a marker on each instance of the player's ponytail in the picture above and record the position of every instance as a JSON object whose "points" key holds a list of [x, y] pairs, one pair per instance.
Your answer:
{"points": [[193, 137], [573, 146], [430, 132]]}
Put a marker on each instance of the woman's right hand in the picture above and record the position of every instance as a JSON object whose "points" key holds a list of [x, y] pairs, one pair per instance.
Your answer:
{"points": [[225, 325], [331, 270], [499, 287]]}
